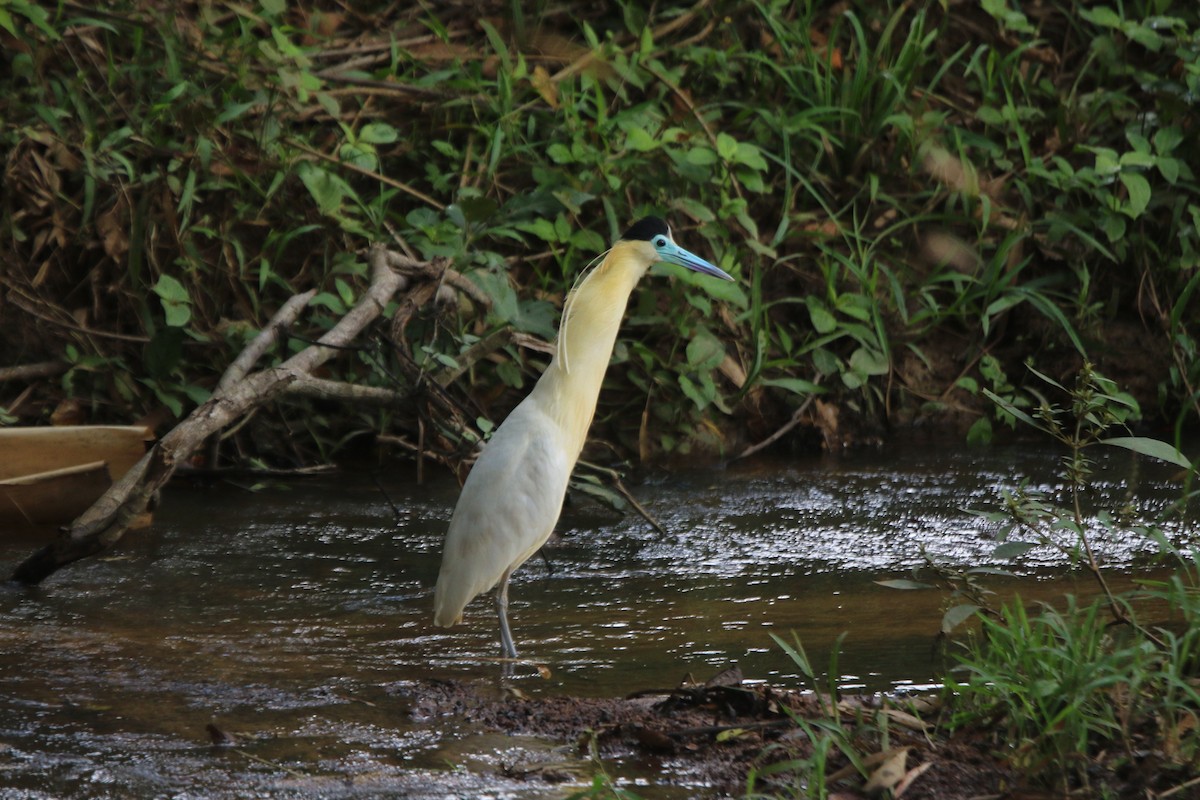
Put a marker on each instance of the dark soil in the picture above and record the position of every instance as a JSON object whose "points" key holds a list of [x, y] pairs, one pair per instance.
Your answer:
{"points": [[720, 733]]}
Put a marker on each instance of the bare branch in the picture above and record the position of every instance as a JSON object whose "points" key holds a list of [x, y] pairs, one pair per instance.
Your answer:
{"points": [[266, 339], [322, 389], [438, 269], [102, 525], [28, 372]]}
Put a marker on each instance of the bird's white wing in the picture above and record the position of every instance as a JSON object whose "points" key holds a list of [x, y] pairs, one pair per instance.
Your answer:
{"points": [[507, 509]]}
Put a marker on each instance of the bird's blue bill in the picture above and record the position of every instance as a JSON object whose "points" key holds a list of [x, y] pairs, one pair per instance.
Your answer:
{"points": [[672, 253]]}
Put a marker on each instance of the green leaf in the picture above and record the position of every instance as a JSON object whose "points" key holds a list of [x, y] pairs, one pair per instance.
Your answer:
{"points": [[1011, 409], [705, 351], [968, 383], [1167, 139], [1114, 227], [1137, 158], [537, 317], [958, 615], [1103, 16], [1169, 168], [1139, 193], [1010, 550], [559, 153], [378, 133], [637, 139], [1107, 161], [327, 189], [359, 155], [822, 319], [750, 156], [588, 241], [701, 156], [731, 733], [1139, 143], [1153, 448], [727, 146], [694, 209], [175, 301], [980, 432], [233, 111], [797, 385], [330, 301], [692, 392], [541, 228], [505, 306], [869, 362]]}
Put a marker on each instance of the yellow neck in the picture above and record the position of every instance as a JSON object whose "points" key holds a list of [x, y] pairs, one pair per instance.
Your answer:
{"points": [[570, 386]]}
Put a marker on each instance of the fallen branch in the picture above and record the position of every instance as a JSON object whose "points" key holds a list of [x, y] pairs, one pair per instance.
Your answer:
{"points": [[323, 389], [28, 372], [439, 269], [266, 339], [103, 525], [797, 417]]}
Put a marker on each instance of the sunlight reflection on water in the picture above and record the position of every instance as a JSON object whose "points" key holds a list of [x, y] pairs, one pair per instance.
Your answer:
{"points": [[291, 610]]}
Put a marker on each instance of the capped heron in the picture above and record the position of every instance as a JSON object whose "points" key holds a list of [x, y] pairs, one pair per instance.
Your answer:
{"points": [[514, 494]]}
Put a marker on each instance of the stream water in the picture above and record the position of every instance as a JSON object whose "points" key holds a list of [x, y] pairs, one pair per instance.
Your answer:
{"points": [[294, 616]]}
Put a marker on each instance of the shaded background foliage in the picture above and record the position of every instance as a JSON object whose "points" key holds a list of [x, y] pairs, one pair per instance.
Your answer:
{"points": [[915, 197]]}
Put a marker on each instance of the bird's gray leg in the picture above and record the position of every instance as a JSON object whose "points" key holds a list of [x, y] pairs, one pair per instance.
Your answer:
{"points": [[506, 640]]}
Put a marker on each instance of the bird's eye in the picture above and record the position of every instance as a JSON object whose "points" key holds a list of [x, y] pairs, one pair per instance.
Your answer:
{"points": [[661, 241]]}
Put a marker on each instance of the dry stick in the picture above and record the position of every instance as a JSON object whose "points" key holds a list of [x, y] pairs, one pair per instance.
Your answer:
{"points": [[774, 437], [235, 373], [102, 525], [1177, 789], [615, 477], [26, 304], [323, 389], [266, 339], [438, 270], [404, 187], [28, 372]]}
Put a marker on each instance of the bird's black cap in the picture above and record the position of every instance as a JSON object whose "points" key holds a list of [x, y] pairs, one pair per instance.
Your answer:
{"points": [[646, 229]]}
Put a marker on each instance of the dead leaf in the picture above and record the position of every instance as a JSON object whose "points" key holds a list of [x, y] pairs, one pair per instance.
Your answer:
{"points": [[545, 87], [945, 167], [944, 248], [906, 720], [890, 773], [826, 419], [868, 762], [70, 411], [730, 676], [654, 740], [909, 777], [731, 369], [111, 225]]}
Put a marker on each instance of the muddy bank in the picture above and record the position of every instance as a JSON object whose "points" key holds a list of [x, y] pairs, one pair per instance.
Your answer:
{"points": [[717, 734]]}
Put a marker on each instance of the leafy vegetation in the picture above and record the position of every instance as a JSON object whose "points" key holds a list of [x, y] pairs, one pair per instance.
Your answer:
{"points": [[1097, 682], [914, 199], [1073, 697]]}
